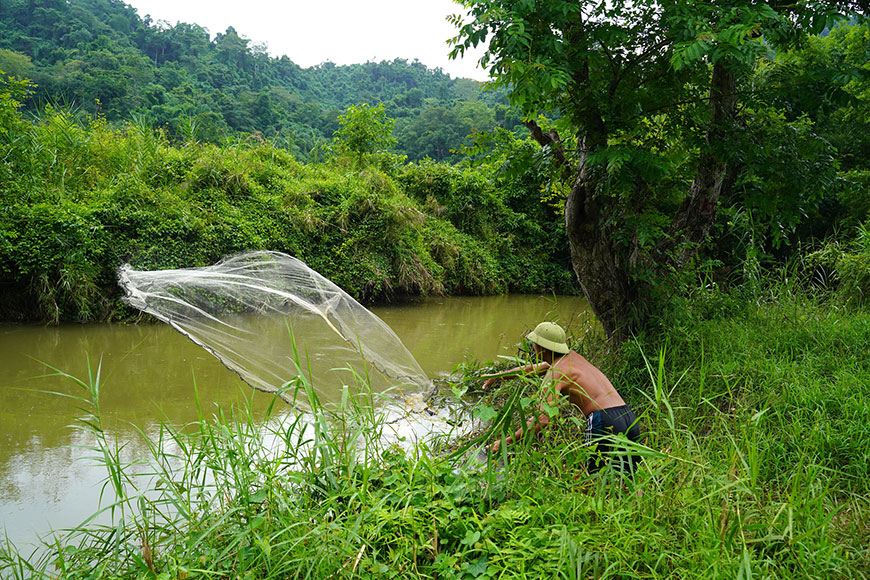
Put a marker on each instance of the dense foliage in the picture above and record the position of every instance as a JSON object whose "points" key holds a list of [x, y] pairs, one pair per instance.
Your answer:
{"points": [[667, 110], [192, 124], [79, 198], [100, 56]]}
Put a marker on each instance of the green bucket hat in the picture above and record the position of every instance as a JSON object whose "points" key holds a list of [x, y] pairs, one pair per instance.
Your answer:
{"points": [[550, 336]]}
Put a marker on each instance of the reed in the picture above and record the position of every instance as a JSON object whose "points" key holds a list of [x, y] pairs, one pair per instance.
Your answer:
{"points": [[755, 459]]}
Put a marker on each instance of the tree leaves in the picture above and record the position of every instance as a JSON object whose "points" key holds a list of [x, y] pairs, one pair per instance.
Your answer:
{"points": [[364, 129], [611, 69]]}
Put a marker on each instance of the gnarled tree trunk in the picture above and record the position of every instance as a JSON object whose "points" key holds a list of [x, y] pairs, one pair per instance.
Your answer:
{"points": [[605, 268], [697, 213], [601, 267]]}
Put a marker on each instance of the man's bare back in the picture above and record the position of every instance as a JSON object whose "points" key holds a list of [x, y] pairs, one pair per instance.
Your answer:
{"points": [[585, 385]]}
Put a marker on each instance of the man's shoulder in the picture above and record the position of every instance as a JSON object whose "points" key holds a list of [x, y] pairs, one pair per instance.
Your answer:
{"points": [[569, 368], [570, 359]]}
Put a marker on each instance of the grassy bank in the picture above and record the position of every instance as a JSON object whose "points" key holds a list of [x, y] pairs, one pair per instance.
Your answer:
{"points": [[79, 198], [757, 427]]}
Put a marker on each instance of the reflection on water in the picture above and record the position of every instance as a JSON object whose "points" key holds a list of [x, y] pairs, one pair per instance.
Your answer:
{"points": [[152, 374], [441, 333]]}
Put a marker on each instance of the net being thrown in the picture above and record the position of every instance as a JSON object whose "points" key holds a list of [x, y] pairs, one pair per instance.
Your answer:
{"points": [[270, 318]]}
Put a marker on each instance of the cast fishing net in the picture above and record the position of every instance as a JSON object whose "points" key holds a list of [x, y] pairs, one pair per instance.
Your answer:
{"points": [[272, 319]]}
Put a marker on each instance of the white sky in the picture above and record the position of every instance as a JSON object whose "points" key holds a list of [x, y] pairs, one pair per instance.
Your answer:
{"points": [[310, 32]]}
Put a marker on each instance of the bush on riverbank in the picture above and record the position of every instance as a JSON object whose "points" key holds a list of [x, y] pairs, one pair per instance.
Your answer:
{"points": [[756, 422], [78, 199]]}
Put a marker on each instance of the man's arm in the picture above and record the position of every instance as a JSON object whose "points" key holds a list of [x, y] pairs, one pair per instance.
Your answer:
{"points": [[529, 369], [535, 423], [542, 420]]}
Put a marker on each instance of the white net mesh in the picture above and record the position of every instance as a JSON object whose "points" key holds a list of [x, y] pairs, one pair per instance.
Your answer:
{"points": [[270, 318]]}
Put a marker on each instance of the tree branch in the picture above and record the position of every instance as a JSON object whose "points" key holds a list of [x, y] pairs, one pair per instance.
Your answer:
{"points": [[550, 140]]}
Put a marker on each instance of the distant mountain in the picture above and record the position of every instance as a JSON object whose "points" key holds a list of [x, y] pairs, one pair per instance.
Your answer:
{"points": [[101, 57]]}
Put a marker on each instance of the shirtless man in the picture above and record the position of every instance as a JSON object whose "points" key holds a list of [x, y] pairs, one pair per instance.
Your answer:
{"points": [[570, 374]]}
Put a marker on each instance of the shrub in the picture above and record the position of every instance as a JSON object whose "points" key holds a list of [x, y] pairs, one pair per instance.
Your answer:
{"points": [[849, 268], [80, 198]]}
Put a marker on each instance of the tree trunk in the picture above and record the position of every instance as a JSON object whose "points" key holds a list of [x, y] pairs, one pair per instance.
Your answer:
{"points": [[604, 275], [604, 268], [601, 267], [697, 213]]}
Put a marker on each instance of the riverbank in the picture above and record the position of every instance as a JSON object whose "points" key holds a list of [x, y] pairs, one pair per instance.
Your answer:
{"points": [[152, 374], [756, 421], [78, 199]]}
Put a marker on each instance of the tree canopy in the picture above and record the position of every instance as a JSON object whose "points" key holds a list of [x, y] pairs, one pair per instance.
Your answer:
{"points": [[364, 129], [649, 100]]}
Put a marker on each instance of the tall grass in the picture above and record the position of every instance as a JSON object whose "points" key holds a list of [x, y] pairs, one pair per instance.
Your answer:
{"points": [[756, 446]]}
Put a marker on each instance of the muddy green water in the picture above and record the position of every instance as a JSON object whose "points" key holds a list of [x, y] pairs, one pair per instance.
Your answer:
{"points": [[150, 374]]}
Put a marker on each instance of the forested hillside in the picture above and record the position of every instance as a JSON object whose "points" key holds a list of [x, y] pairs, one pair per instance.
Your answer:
{"points": [[101, 56], [78, 198], [216, 147]]}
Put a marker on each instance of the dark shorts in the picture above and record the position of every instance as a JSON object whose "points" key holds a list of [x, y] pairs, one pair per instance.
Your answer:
{"points": [[601, 428]]}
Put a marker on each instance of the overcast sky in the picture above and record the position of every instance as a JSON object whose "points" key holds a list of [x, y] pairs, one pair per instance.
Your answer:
{"points": [[310, 32]]}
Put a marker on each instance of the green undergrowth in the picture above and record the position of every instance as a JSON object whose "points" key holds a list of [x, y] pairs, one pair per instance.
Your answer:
{"points": [[757, 440], [79, 198]]}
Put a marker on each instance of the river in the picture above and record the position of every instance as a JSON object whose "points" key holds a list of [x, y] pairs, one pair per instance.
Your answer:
{"points": [[151, 374]]}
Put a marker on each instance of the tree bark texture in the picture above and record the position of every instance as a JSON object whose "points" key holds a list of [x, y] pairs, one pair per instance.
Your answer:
{"points": [[697, 213], [601, 267], [605, 268]]}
